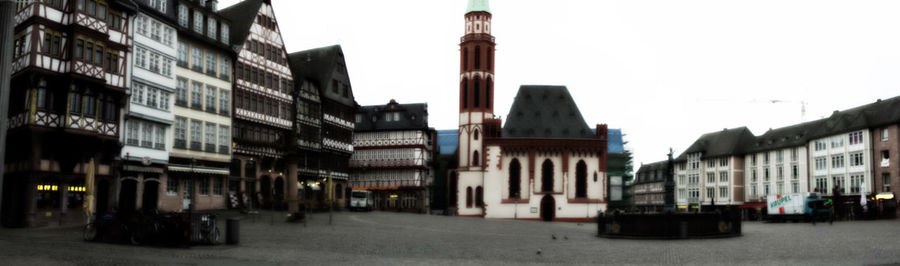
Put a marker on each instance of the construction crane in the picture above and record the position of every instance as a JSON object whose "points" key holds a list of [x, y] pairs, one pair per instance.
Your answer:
{"points": [[802, 107]]}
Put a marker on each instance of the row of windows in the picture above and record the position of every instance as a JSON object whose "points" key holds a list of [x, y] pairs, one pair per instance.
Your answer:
{"points": [[199, 130], [77, 100], [711, 177], [155, 30], [779, 156], [837, 161], [263, 78], [779, 189], [477, 93], [254, 133], [90, 104], [197, 97], [261, 104], [795, 173], [839, 183], [387, 154], [214, 63], [855, 138], [477, 58], [213, 26], [150, 96], [153, 61], [203, 188], [145, 134], [270, 52]]}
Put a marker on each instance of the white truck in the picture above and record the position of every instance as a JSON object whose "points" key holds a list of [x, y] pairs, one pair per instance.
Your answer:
{"points": [[793, 206], [361, 200]]}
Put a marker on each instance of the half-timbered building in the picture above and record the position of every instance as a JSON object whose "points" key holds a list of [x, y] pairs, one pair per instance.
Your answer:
{"points": [[325, 69], [148, 117], [201, 139], [264, 98], [544, 163], [68, 90], [394, 154]]}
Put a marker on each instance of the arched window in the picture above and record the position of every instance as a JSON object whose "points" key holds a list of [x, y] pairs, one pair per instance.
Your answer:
{"points": [[515, 179], [477, 92], [476, 134], [581, 179], [475, 158], [489, 56], [477, 57], [479, 197], [468, 197], [465, 98], [547, 176], [465, 58], [487, 93]]}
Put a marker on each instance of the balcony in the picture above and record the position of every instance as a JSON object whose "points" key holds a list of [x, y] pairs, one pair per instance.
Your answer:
{"points": [[476, 37], [398, 163], [180, 144], [211, 148]]}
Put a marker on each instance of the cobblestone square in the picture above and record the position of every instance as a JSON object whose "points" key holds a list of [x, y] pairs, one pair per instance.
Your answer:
{"points": [[384, 238]]}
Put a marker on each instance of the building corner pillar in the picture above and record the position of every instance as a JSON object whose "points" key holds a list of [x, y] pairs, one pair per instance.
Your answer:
{"points": [[293, 201]]}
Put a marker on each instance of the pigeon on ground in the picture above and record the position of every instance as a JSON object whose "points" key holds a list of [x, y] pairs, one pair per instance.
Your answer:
{"points": [[553, 236], [566, 237], [539, 252]]}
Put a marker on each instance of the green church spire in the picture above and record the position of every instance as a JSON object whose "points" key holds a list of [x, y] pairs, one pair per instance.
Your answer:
{"points": [[478, 6]]}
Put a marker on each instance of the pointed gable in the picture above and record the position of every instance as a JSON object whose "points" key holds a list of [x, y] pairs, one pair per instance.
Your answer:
{"points": [[242, 16], [326, 67], [545, 112]]}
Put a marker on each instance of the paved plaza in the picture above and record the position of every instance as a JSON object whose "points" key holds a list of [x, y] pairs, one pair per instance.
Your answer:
{"points": [[383, 238]]}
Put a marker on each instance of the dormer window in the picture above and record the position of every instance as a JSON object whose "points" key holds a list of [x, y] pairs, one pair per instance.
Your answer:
{"points": [[211, 28], [183, 16], [224, 35], [198, 22]]}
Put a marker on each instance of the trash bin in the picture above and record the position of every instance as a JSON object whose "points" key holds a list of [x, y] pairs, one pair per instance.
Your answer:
{"points": [[232, 231]]}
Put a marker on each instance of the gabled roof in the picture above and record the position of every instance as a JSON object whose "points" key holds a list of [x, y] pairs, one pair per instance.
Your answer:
{"points": [[242, 15], [413, 116], [319, 65], [545, 112], [721, 143]]}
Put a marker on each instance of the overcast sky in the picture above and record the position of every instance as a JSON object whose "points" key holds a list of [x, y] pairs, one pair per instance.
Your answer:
{"points": [[664, 71]]}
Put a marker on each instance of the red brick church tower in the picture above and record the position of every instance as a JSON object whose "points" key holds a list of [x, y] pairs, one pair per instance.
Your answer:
{"points": [[476, 91]]}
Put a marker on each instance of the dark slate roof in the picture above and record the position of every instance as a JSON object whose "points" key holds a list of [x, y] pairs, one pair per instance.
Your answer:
{"points": [[877, 114], [648, 169], [790, 136], [242, 15], [722, 143], [413, 116], [545, 112], [319, 65]]}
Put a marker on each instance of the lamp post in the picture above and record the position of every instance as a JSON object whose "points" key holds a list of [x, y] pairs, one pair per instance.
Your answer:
{"points": [[330, 198]]}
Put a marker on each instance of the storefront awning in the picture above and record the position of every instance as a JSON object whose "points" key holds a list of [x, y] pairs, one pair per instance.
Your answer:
{"points": [[200, 170]]}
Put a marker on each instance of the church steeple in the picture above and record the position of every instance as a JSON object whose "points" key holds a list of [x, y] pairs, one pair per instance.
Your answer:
{"points": [[476, 83], [478, 6]]}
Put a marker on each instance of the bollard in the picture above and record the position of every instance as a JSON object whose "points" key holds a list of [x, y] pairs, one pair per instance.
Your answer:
{"points": [[233, 231]]}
